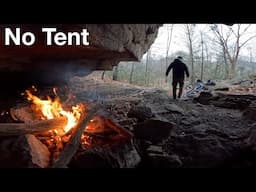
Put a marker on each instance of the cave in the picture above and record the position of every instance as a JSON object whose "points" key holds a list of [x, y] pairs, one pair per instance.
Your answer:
{"points": [[42, 64], [56, 110], [31, 132]]}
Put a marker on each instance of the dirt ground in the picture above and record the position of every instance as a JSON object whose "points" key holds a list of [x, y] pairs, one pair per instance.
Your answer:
{"points": [[205, 135]]}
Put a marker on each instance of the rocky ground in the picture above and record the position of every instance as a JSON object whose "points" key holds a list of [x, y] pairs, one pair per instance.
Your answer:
{"points": [[214, 129], [170, 133]]}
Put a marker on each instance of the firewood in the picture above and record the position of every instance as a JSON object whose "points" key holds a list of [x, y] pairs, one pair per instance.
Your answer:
{"points": [[123, 132], [38, 126], [24, 114], [71, 147], [40, 155]]}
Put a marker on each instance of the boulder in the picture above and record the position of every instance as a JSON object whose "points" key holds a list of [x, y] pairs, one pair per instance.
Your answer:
{"points": [[195, 113], [155, 157], [250, 112], [205, 151], [204, 98], [174, 108], [250, 141], [142, 113], [162, 161], [123, 155], [189, 121], [225, 100], [155, 131], [155, 149]]}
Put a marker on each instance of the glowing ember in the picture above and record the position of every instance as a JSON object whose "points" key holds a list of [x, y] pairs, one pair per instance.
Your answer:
{"points": [[53, 108]]}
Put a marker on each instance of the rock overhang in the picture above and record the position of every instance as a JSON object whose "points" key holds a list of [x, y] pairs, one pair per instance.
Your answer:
{"points": [[108, 45]]}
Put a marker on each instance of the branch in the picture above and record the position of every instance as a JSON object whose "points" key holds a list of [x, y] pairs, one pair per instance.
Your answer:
{"points": [[233, 32], [219, 36], [238, 30], [228, 35], [247, 41], [223, 42], [169, 39], [246, 29], [39, 126], [70, 149], [236, 45]]}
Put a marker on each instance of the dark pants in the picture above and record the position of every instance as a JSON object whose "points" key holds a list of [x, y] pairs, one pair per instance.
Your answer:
{"points": [[175, 82]]}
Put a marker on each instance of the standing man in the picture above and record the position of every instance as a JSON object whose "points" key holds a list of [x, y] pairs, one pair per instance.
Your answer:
{"points": [[178, 74]]}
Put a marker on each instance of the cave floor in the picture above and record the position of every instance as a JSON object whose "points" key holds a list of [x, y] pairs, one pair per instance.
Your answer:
{"points": [[205, 135]]}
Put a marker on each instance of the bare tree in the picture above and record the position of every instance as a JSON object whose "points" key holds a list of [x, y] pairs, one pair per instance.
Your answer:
{"points": [[102, 75], [202, 55], [216, 70], [161, 73], [146, 72], [115, 73], [131, 74], [232, 46], [190, 29], [250, 60], [168, 44]]}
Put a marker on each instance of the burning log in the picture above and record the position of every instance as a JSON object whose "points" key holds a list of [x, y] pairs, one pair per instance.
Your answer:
{"points": [[115, 135], [101, 126], [70, 149], [24, 114], [125, 133], [40, 155], [37, 126], [64, 130]]}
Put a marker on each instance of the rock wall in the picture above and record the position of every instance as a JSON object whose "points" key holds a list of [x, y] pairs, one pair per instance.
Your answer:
{"points": [[109, 44]]}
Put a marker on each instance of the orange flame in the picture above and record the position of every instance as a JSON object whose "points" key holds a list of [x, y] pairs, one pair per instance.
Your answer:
{"points": [[53, 108]]}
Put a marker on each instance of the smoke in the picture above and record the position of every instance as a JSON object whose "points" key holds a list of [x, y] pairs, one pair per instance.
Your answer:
{"points": [[59, 73]]}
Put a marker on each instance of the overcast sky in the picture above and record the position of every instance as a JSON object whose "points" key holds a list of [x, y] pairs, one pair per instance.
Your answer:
{"points": [[158, 49]]}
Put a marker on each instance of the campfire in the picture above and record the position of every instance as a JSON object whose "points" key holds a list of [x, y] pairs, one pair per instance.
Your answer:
{"points": [[61, 127], [52, 108]]}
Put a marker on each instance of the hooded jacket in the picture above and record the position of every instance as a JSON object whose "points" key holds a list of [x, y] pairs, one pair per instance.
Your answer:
{"points": [[178, 69]]}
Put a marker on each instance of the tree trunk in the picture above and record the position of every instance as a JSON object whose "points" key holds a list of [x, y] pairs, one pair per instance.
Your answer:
{"points": [[169, 40], [102, 75], [226, 64], [202, 55], [189, 35], [161, 73], [131, 74], [233, 69], [251, 63], [146, 72], [216, 71], [192, 64], [208, 59], [115, 73]]}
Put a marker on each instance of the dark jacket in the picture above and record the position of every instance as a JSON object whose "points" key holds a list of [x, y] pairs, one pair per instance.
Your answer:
{"points": [[178, 69]]}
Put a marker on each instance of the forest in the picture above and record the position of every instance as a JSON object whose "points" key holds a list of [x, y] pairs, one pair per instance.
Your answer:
{"points": [[211, 51]]}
